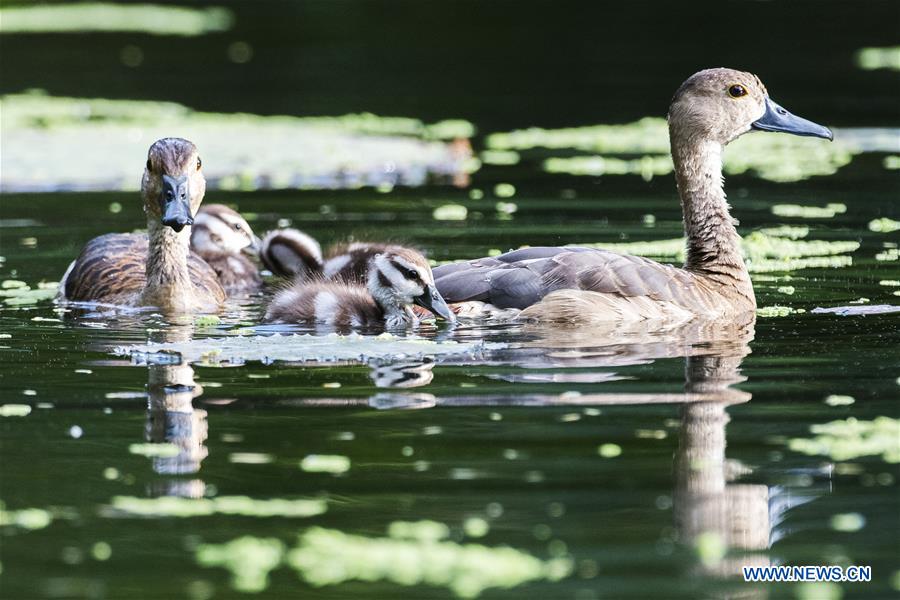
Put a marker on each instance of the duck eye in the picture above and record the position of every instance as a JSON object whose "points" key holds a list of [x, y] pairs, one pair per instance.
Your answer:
{"points": [[199, 163], [149, 166], [237, 226], [737, 91]]}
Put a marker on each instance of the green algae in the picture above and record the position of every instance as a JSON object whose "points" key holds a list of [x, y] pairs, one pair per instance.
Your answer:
{"points": [[418, 530], [249, 559], [154, 450], [330, 557], [609, 450], [850, 438], [450, 212], [775, 158], [847, 522], [18, 293], [871, 59], [808, 212], [764, 252], [174, 506], [476, 527], [838, 400], [152, 19], [15, 410], [275, 151], [884, 225], [325, 463], [776, 311], [25, 518]]}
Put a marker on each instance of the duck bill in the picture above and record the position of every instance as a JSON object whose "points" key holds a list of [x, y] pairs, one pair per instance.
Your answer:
{"points": [[432, 300], [176, 203], [252, 249], [777, 118]]}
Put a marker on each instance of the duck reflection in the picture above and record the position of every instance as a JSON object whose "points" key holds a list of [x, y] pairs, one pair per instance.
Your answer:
{"points": [[172, 419]]}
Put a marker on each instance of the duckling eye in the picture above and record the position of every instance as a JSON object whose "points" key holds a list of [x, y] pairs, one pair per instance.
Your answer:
{"points": [[149, 166], [737, 91], [410, 273], [199, 163], [237, 226]]}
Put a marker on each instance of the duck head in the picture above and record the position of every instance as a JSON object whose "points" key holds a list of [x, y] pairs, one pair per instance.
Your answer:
{"points": [[173, 184], [722, 104], [403, 277], [218, 228]]}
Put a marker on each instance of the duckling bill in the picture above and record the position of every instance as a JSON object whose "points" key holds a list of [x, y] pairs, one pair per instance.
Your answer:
{"points": [[395, 281]]}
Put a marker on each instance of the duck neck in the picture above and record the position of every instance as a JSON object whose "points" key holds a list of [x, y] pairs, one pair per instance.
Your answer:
{"points": [[168, 278], [395, 314], [713, 244]]}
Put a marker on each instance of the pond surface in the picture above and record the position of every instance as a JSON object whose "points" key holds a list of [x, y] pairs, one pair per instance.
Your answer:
{"points": [[614, 463], [491, 459]]}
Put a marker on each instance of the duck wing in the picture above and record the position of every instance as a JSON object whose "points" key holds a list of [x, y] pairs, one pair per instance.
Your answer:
{"points": [[521, 278]]}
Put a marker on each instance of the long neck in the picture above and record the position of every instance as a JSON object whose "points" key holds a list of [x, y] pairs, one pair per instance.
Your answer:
{"points": [[168, 279], [713, 244]]}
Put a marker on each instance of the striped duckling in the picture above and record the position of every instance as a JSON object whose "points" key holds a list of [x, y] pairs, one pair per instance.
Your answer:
{"points": [[395, 281], [291, 253], [222, 237]]}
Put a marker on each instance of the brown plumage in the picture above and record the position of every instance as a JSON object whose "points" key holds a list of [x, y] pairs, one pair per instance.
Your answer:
{"points": [[712, 108], [394, 281], [222, 237], [155, 269]]}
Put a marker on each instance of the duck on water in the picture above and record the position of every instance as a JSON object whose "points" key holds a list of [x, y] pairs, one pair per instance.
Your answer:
{"points": [[157, 269], [712, 108]]}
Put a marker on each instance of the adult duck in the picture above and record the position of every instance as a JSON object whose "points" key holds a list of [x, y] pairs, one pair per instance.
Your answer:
{"points": [[709, 110], [157, 269]]}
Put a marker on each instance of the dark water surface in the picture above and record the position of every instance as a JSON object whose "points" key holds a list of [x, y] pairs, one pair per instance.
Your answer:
{"points": [[615, 463]]}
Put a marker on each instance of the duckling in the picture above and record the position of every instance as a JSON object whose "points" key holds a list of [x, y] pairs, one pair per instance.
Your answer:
{"points": [[395, 280], [291, 253], [157, 269], [351, 262], [710, 109], [221, 236]]}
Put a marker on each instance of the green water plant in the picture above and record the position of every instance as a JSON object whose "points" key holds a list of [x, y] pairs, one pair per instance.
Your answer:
{"points": [[249, 559], [850, 438], [174, 506], [871, 59]]}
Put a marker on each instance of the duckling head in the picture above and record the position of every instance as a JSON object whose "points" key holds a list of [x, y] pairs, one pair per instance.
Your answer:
{"points": [[218, 228], [403, 277], [173, 184], [720, 105]]}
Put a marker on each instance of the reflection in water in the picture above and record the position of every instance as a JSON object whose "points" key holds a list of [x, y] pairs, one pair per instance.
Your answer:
{"points": [[172, 419]]}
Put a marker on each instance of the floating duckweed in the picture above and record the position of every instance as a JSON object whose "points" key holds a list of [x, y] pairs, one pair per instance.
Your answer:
{"points": [[250, 560], [506, 208], [423, 531], [891, 254], [891, 163], [101, 551], [848, 439], [786, 289], [19, 293], [499, 157], [349, 151], [15, 410], [793, 232], [26, 518], [647, 167], [848, 522], [646, 136], [504, 190], [884, 225], [889, 283], [476, 527], [325, 463], [164, 450], [174, 506], [450, 129], [609, 450], [775, 311], [837, 400], [450, 212], [115, 207], [808, 212], [152, 19], [879, 58], [207, 320], [710, 548], [330, 557], [250, 458]]}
